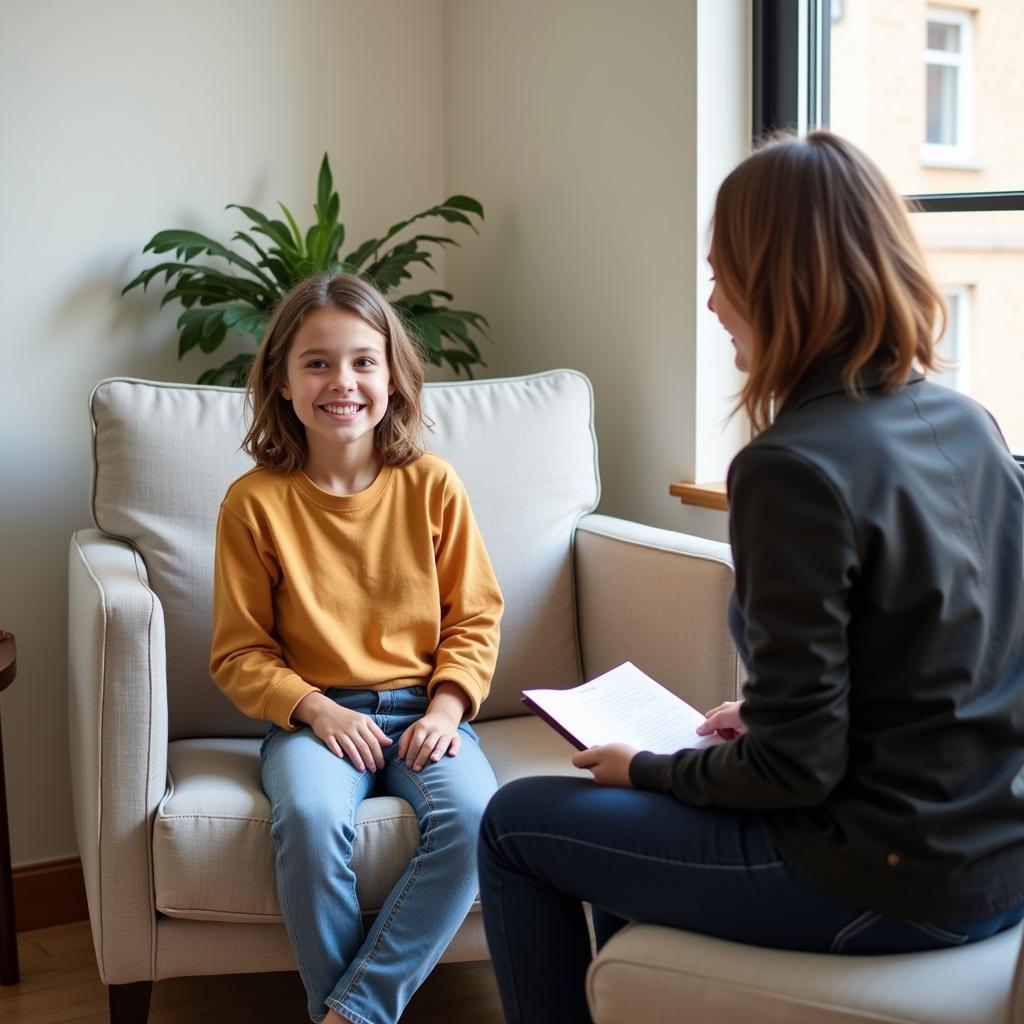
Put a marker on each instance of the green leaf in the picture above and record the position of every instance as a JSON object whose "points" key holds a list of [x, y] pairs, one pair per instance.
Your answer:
{"points": [[455, 217], [358, 257], [233, 373], [458, 361], [337, 236], [283, 273], [311, 239], [464, 203], [422, 299], [324, 186], [392, 268], [273, 229], [250, 241], [296, 233], [428, 334], [245, 320]]}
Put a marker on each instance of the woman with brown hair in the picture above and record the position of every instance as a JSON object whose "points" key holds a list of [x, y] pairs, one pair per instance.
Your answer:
{"points": [[870, 797]]}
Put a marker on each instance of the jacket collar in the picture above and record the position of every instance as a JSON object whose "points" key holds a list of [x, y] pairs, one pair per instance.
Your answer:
{"points": [[825, 377]]}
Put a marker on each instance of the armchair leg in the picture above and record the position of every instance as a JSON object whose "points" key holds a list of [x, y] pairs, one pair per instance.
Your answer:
{"points": [[129, 1004]]}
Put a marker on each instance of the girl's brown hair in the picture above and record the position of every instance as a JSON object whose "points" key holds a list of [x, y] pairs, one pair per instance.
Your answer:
{"points": [[814, 249], [276, 438]]}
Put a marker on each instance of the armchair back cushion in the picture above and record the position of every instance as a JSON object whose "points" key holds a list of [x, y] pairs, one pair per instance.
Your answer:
{"points": [[164, 454]]}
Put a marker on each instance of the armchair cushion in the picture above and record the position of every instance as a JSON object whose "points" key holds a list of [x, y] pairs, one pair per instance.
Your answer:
{"points": [[650, 973], [213, 856]]}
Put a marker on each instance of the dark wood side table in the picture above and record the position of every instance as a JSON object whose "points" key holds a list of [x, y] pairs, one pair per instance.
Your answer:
{"points": [[8, 933]]}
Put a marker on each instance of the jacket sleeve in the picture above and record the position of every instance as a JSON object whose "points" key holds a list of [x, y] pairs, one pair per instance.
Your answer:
{"points": [[796, 559], [471, 602], [246, 660]]}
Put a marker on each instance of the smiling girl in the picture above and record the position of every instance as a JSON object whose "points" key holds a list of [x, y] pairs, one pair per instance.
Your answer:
{"points": [[356, 610]]}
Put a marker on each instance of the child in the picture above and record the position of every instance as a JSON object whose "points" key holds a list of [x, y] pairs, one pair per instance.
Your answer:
{"points": [[870, 797], [355, 608]]}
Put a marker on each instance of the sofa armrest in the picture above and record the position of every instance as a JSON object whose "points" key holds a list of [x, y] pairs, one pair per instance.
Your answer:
{"points": [[658, 599], [117, 712]]}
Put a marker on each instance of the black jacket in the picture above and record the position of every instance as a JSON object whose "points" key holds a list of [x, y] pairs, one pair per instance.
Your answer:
{"points": [[879, 553]]}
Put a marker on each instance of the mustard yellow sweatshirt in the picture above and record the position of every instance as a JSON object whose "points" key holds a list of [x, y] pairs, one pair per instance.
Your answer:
{"points": [[387, 588]]}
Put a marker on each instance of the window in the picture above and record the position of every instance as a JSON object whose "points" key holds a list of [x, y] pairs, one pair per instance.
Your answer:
{"points": [[949, 89], [955, 345], [947, 130]]}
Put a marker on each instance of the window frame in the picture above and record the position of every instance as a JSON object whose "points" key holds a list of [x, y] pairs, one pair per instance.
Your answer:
{"points": [[961, 153]]}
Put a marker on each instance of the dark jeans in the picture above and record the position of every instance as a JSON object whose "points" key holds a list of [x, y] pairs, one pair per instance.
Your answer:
{"points": [[547, 844]]}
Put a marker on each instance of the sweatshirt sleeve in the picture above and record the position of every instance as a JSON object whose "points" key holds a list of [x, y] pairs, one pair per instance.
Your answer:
{"points": [[471, 602], [246, 660], [795, 558]]}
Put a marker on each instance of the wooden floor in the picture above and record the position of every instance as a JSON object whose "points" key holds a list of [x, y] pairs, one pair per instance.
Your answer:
{"points": [[60, 984]]}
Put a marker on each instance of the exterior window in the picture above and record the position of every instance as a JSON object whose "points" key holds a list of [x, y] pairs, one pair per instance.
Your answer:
{"points": [[955, 346], [949, 88], [922, 125]]}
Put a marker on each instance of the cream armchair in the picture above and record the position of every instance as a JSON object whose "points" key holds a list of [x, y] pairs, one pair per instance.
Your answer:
{"points": [[173, 828]]}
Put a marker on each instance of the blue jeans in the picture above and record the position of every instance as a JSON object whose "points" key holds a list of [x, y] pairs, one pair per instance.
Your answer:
{"points": [[548, 844], [314, 797]]}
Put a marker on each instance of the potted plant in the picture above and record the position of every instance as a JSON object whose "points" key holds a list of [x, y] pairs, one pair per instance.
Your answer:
{"points": [[241, 296]]}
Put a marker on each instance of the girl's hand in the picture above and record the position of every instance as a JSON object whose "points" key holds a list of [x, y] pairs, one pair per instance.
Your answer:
{"points": [[437, 732], [345, 733], [725, 720], [608, 763]]}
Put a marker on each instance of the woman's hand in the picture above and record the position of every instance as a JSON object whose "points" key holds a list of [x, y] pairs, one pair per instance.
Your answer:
{"points": [[725, 720], [608, 763], [437, 732], [345, 733]]}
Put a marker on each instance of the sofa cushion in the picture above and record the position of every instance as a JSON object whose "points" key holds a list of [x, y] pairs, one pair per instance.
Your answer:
{"points": [[213, 855], [164, 455], [650, 973]]}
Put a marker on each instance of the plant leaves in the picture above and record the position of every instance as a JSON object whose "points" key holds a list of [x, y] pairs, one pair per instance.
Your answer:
{"points": [[188, 244], [232, 373], [451, 213], [358, 257], [459, 360], [215, 301], [419, 300], [392, 268], [245, 320], [273, 229]]}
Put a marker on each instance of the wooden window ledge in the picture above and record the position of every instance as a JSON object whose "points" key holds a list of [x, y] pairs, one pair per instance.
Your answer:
{"points": [[702, 495]]}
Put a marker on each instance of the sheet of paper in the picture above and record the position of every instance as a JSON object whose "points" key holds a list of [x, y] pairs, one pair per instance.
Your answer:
{"points": [[625, 706]]}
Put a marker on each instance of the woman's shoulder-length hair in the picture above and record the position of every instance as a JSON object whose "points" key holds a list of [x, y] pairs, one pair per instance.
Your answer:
{"points": [[813, 247]]}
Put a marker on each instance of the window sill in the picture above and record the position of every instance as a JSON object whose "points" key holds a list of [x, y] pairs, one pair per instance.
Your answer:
{"points": [[702, 495], [937, 160]]}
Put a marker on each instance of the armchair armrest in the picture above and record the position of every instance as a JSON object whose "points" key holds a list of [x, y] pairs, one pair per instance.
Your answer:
{"points": [[117, 711], [659, 599]]}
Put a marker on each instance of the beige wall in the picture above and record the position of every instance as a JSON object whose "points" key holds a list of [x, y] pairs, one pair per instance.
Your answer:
{"points": [[597, 138], [589, 129], [119, 118]]}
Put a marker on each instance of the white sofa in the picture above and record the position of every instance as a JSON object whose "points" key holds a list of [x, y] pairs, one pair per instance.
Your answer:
{"points": [[173, 828]]}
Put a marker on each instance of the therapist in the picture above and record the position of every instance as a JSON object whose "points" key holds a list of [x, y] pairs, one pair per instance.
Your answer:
{"points": [[870, 799]]}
